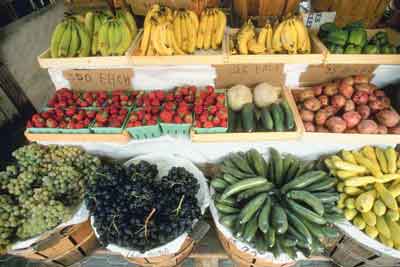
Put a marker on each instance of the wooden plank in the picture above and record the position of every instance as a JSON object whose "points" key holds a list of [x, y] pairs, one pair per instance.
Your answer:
{"points": [[317, 55], [257, 136], [102, 138], [394, 38]]}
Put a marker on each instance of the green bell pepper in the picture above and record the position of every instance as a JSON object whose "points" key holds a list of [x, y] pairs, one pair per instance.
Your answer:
{"points": [[358, 37], [371, 49], [353, 49], [338, 37], [388, 49]]}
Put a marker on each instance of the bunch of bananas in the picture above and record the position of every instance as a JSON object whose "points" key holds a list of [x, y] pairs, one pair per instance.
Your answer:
{"points": [[94, 33], [370, 191], [290, 36], [180, 32]]}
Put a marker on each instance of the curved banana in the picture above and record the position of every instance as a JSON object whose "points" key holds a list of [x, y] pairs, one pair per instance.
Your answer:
{"points": [[89, 23], [126, 38], [56, 38], [165, 41], [144, 45], [209, 28], [130, 20], [65, 41], [202, 31], [262, 36], [289, 37], [184, 31], [177, 30], [276, 39], [157, 40], [84, 50], [195, 19], [221, 26], [214, 37], [268, 40], [255, 47], [303, 38], [172, 41], [103, 39], [152, 11], [75, 40]]}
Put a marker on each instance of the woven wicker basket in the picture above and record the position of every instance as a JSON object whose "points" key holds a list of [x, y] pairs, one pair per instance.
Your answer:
{"points": [[63, 247], [351, 253], [167, 260]]}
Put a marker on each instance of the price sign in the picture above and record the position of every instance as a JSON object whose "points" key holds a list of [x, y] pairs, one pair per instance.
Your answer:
{"points": [[99, 80]]}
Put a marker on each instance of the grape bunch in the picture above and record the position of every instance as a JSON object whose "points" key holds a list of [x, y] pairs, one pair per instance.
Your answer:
{"points": [[41, 189], [134, 208]]}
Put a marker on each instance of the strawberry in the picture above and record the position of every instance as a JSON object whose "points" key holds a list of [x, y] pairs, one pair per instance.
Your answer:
{"points": [[79, 117], [46, 114], [188, 119], [220, 98], [160, 95], [220, 105], [137, 123], [170, 106], [198, 124], [224, 124], [212, 109], [210, 100], [155, 110], [91, 114], [151, 122], [123, 111], [155, 102], [152, 95], [216, 121], [62, 125], [208, 124], [140, 115], [222, 115], [203, 94], [79, 125], [166, 116], [210, 89], [203, 117], [147, 116], [133, 117], [124, 97], [178, 120], [189, 98], [184, 91], [192, 90], [86, 121], [169, 97], [102, 117], [198, 109]]}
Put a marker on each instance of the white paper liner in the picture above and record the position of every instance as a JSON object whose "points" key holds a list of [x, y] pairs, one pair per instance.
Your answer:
{"points": [[365, 240], [80, 216], [164, 163]]}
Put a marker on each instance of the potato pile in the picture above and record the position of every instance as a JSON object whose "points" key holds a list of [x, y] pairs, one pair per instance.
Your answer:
{"points": [[351, 105]]}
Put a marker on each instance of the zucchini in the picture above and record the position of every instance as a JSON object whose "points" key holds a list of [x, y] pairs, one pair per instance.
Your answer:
{"points": [[327, 197], [309, 199], [251, 229], [289, 250], [248, 121], [254, 191], [287, 161], [270, 237], [231, 120], [239, 122], [228, 163], [230, 179], [277, 249], [278, 117], [289, 120], [299, 226], [305, 167], [288, 241], [263, 219], [279, 219], [278, 166], [330, 232], [257, 162], [235, 172], [294, 166], [243, 185], [315, 230], [228, 220], [266, 119], [306, 213], [260, 245], [270, 171], [218, 184], [239, 229], [226, 209], [294, 233], [323, 185], [241, 163], [230, 201], [252, 207], [303, 180]]}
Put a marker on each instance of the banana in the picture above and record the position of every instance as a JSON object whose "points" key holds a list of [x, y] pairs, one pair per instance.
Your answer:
{"points": [[126, 38], [95, 37], [289, 37], [84, 50], [184, 32], [221, 26], [150, 14], [172, 41], [255, 47], [144, 45], [75, 41], [208, 32], [245, 34], [214, 37], [177, 31], [104, 45], [167, 46], [202, 30], [56, 38], [276, 39], [268, 40], [194, 18], [191, 32], [303, 38], [129, 20], [116, 37], [89, 23], [262, 36], [79, 18], [65, 41], [159, 40]]}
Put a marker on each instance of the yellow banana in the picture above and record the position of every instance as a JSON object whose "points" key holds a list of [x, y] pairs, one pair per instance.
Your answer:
{"points": [[208, 32], [245, 34], [126, 38], [255, 47], [262, 36], [172, 41], [276, 39], [194, 19], [103, 39], [191, 32], [303, 38], [84, 50], [177, 31], [214, 27], [159, 40], [75, 41], [65, 41], [152, 12], [56, 38], [268, 40], [221, 25], [202, 30], [184, 32], [144, 45], [289, 37]]}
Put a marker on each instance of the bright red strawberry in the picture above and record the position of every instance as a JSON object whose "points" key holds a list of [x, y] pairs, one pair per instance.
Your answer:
{"points": [[169, 97], [208, 124], [221, 98], [198, 110], [166, 116], [210, 89], [151, 122], [160, 95], [91, 114], [224, 124], [102, 117], [212, 109], [203, 117], [155, 102], [178, 120], [155, 110], [188, 119], [198, 124], [203, 94], [210, 100], [216, 121], [170, 106], [192, 90]]}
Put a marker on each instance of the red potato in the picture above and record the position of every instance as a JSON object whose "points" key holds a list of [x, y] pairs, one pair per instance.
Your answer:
{"points": [[336, 125], [348, 81], [388, 117], [305, 94], [360, 97], [386, 101], [309, 127], [394, 130], [376, 105], [351, 131], [330, 111], [321, 129], [349, 105], [317, 90], [306, 115], [321, 117], [364, 87], [382, 129], [351, 118], [361, 79], [367, 127], [338, 101], [312, 104], [364, 111], [379, 93], [330, 89], [346, 90], [324, 100]]}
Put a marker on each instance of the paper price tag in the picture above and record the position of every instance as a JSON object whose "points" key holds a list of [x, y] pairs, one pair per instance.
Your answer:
{"points": [[102, 79]]}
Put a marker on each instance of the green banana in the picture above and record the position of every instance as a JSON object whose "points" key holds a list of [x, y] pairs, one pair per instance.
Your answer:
{"points": [[89, 23], [85, 41], [56, 38], [75, 41], [126, 39], [103, 39], [65, 41], [95, 37]]}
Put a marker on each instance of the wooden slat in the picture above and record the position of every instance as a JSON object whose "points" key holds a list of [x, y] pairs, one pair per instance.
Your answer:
{"points": [[102, 138]]}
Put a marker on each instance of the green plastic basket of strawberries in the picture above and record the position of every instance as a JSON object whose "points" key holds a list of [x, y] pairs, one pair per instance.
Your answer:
{"points": [[143, 124], [210, 111], [110, 120]]}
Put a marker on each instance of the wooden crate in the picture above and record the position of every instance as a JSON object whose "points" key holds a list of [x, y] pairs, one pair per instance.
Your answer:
{"points": [[200, 57], [317, 56], [346, 138], [63, 247], [257, 136], [394, 39], [122, 138]]}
